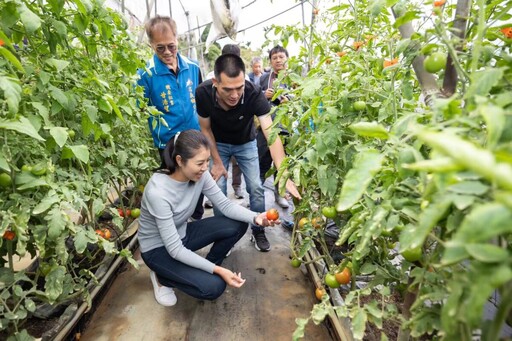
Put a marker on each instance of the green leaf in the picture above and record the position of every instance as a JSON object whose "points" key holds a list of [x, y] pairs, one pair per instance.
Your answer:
{"points": [[60, 135], [326, 181], [359, 323], [47, 202], [465, 153], [81, 152], [56, 223], [114, 107], [483, 81], [367, 163], [407, 17], [81, 239], [494, 122], [311, 86], [59, 96], [12, 92], [22, 125], [411, 238], [376, 7], [440, 165], [469, 187], [299, 331], [55, 283], [11, 58], [58, 64], [3, 163], [487, 253], [370, 129], [29, 19], [485, 222]]}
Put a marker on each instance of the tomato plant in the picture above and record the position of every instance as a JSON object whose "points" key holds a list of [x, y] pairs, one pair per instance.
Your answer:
{"points": [[422, 166], [72, 133]]}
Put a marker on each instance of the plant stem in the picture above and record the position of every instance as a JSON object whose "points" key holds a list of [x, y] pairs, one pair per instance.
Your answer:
{"points": [[493, 333]]}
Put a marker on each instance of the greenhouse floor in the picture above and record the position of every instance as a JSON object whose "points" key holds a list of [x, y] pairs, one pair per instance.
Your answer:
{"points": [[265, 308]]}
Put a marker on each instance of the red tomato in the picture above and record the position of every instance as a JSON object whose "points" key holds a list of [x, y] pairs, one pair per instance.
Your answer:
{"points": [[272, 214]]}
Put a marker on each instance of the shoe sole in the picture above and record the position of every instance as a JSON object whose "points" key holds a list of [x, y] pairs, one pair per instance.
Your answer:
{"points": [[256, 245]]}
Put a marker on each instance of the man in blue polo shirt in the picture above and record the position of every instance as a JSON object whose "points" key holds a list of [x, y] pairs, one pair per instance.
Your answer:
{"points": [[170, 81]]}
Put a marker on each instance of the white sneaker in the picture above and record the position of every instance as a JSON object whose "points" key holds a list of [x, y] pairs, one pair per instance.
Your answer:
{"points": [[164, 295]]}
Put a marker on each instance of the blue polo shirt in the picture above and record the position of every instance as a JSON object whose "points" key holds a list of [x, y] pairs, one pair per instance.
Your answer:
{"points": [[173, 95]]}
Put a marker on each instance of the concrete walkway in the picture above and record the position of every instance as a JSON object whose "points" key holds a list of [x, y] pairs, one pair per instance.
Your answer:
{"points": [[265, 308]]}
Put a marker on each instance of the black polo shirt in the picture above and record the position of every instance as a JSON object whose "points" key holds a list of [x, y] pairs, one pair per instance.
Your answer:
{"points": [[234, 126]]}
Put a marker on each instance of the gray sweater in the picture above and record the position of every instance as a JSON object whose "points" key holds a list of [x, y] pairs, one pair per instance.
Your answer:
{"points": [[166, 206]]}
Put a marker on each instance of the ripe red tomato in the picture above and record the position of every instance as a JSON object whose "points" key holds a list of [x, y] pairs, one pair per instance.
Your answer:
{"points": [[121, 212], [100, 233], [272, 214], [9, 235], [343, 277]]}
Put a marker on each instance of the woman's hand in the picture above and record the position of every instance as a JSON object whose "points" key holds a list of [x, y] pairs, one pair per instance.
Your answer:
{"points": [[261, 219], [231, 278]]}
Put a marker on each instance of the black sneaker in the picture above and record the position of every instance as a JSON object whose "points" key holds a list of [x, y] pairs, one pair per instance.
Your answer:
{"points": [[260, 241]]}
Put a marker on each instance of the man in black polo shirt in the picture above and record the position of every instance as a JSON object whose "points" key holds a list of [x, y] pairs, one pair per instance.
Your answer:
{"points": [[226, 106]]}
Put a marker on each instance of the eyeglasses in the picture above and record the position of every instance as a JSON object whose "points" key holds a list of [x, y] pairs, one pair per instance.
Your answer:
{"points": [[161, 48]]}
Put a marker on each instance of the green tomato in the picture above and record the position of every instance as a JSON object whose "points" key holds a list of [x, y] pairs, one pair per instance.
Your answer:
{"points": [[71, 133], [5, 180], [412, 255], [26, 168], [135, 213], [39, 169], [296, 262], [359, 105], [435, 62], [329, 212], [331, 281]]}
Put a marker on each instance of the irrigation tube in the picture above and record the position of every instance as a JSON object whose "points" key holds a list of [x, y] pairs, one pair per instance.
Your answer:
{"points": [[83, 307]]}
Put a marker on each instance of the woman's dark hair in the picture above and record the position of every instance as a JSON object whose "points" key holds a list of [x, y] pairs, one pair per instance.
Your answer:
{"points": [[186, 144], [230, 64]]}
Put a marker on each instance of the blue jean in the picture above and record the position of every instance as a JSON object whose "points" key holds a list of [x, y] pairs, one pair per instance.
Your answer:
{"points": [[247, 157], [222, 232]]}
